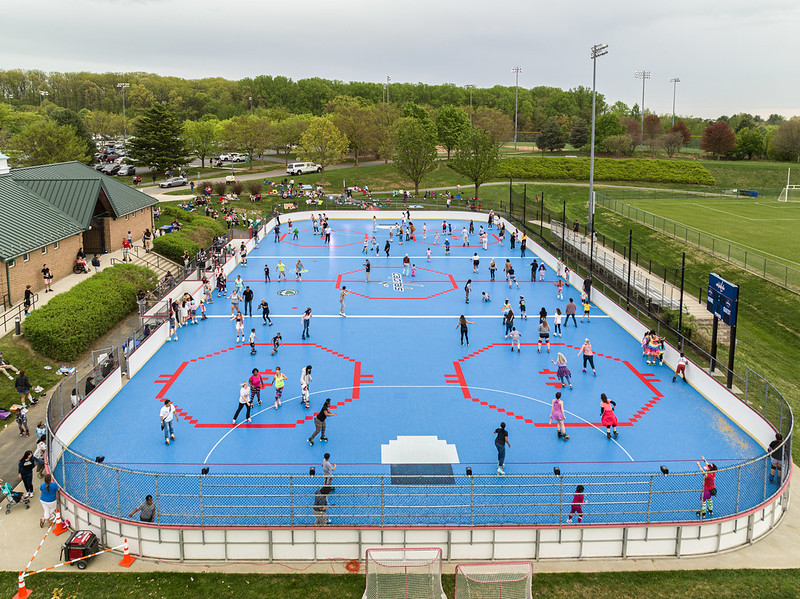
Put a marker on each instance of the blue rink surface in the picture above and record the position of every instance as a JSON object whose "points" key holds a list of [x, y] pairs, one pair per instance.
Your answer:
{"points": [[394, 367]]}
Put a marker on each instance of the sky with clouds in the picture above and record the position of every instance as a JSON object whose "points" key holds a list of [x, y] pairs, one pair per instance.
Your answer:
{"points": [[731, 56]]}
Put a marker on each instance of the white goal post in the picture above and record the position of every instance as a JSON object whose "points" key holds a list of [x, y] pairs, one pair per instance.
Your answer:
{"points": [[494, 580], [790, 193], [414, 573]]}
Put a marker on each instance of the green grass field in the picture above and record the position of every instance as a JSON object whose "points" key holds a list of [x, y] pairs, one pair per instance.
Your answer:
{"points": [[761, 225]]}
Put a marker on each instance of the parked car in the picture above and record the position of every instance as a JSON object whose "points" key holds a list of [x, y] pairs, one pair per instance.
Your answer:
{"points": [[224, 158], [111, 169], [100, 166], [301, 168], [126, 170], [174, 182], [238, 157]]}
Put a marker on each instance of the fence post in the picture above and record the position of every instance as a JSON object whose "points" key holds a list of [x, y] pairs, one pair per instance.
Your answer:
{"points": [[649, 499], [382, 499], [291, 500]]}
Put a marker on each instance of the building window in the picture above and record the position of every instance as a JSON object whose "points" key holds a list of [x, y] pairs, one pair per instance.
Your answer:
{"points": [[11, 263], [26, 257], [127, 216], [44, 250], [55, 245]]}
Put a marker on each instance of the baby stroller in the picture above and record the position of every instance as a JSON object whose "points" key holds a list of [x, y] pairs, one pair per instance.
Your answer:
{"points": [[13, 498]]}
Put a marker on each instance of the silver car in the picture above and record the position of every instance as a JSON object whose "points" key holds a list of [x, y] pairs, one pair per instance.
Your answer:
{"points": [[174, 182]]}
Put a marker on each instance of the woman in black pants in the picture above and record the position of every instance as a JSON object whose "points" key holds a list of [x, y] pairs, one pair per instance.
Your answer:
{"points": [[25, 469], [463, 322]]}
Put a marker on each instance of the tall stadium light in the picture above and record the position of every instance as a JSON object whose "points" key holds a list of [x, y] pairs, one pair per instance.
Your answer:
{"points": [[644, 76], [674, 81], [470, 87], [598, 50], [42, 95], [388, 79], [516, 71], [123, 87]]}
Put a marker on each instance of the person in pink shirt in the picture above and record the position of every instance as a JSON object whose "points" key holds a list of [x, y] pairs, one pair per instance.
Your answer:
{"points": [[577, 504], [255, 385], [588, 355]]}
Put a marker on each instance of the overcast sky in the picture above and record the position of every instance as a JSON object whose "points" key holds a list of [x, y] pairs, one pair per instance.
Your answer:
{"points": [[731, 56]]}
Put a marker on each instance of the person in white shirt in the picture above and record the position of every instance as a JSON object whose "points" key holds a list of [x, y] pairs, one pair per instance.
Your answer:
{"points": [[167, 417]]}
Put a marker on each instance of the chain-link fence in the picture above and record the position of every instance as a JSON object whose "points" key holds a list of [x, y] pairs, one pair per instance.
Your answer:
{"points": [[772, 270], [258, 499]]}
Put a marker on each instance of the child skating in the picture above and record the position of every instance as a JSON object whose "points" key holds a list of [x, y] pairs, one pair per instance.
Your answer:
{"points": [[557, 414], [709, 487], [252, 342], [515, 336], [562, 372], [577, 504], [276, 343], [607, 416]]}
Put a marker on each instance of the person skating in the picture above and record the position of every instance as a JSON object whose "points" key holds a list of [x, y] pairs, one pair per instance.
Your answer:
{"points": [[557, 414], [607, 416], [320, 423], [500, 442], [278, 382], [245, 401], [305, 386], [562, 372]]}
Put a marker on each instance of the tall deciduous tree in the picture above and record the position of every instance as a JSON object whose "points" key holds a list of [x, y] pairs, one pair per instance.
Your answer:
{"points": [[415, 149], [683, 129], [653, 129], [749, 143], [63, 116], [287, 132], [672, 142], [451, 122], [239, 134], [551, 137], [323, 143], [202, 138], [47, 142], [477, 156], [158, 142], [356, 119], [495, 122], [785, 143], [718, 139]]}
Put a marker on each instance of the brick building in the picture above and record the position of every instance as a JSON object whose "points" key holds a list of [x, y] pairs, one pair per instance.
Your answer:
{"points": [[49, 212]]}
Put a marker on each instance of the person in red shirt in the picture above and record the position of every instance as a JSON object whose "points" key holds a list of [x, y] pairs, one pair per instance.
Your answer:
{"points": [[709, 487], [577, 504], [126, 250]]}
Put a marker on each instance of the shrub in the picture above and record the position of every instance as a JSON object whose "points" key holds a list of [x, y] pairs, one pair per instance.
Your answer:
{"points": [[68, 324], [219, 188], [606, 169], [172, 246], [255, 186], [237, 187]]}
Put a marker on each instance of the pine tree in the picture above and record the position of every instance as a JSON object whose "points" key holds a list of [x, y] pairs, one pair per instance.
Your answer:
{"points": [[158, 143]]}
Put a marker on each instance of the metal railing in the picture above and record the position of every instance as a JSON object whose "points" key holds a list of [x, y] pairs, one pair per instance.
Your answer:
{"points": [[772, 270], [17, 312]]}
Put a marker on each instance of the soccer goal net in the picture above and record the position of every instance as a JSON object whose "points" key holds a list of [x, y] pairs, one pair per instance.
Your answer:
{"points": [[790, 193], [404, 574], [501, 580]]}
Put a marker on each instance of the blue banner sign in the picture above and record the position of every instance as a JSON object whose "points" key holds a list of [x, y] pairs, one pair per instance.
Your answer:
{"points": [[723, 299]]}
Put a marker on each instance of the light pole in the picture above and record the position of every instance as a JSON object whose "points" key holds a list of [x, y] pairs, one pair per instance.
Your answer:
{"points": [[598, 50], [42, 95], [674, 81], [470, 87], [251, 103], [516, 71], [388, 79], [644, 76], [123, 87]]}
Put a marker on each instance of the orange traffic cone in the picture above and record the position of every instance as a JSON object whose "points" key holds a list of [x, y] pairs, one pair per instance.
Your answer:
{"points": [[59, 528], [127, 558], [23, 592]]}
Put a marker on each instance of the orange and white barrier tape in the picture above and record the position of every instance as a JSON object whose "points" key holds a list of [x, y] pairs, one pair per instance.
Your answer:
{"points": [[72, 561], [35, 553]]}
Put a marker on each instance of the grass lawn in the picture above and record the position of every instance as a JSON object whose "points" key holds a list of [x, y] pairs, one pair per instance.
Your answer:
{"points": [[752, 174], [18, 352], [734, 584], [762, 225]]}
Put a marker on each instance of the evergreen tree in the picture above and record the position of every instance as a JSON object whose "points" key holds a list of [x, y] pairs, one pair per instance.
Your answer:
{"points": [[551, 137], [158, 143], [579, 136]]}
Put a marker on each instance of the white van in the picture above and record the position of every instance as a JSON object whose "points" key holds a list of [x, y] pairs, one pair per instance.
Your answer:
{"points": [[301, 168]]}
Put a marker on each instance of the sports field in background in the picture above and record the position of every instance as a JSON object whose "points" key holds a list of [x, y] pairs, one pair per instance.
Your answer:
{"points": [[762, 225]]}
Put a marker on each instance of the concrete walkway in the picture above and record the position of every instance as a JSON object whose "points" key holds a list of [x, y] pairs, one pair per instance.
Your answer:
{"points": [[20, 534]]}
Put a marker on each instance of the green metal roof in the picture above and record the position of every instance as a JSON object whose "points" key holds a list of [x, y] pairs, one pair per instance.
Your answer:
{"points": [[28, 222], [73, 188]]}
